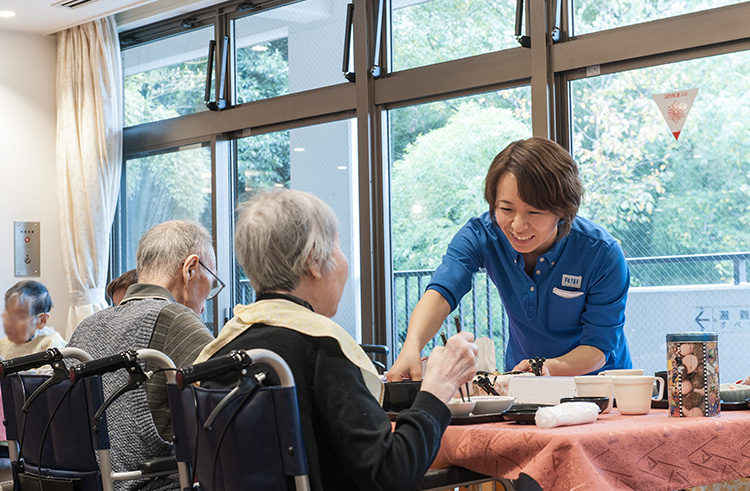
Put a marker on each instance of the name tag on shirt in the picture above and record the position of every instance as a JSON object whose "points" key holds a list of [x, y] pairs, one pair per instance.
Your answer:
{"points": [[571, 281]]}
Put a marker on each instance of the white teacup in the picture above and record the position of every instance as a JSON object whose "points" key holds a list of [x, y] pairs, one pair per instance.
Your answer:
{"points": [[619, 372], [633, 393], [594, 386]]}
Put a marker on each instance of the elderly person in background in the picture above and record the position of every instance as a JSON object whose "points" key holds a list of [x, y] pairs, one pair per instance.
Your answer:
{"points": [[287, 243], [117, 288], [27, 306], [175, 262]]}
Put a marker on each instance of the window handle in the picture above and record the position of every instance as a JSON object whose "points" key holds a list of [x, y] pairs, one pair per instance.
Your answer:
{"points": [[221, 102], [375, 70], [557, 30], [350, 76], [209, 71], [525, 41]]}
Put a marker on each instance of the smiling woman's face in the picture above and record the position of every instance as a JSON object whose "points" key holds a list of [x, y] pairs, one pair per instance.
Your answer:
{"points": [[529, 230]]}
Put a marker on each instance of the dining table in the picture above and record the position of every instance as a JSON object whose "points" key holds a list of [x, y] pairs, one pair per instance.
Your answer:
{"points": [[619, 452]]}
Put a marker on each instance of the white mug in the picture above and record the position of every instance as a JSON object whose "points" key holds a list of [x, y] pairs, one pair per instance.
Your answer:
{"points": [[594, 386], [618, 372], [633, 393]]}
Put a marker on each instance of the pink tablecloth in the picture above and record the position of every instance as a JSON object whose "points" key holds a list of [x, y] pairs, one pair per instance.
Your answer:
{"points": [[651, 452]]}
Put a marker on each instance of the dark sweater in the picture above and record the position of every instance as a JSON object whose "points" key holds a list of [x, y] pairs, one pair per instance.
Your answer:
{"points": [[348, 437]]}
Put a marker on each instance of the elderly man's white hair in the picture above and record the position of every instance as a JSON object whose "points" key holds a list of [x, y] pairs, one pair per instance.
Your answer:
{"points": [[163, 249], [280, 234]]}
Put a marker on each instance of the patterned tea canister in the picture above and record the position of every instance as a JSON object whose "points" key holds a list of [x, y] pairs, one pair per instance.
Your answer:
{"points": [[693, 374]]}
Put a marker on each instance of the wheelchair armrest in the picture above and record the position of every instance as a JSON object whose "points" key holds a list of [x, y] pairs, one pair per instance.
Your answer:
{"points": [[161, 464], [378, 349]]}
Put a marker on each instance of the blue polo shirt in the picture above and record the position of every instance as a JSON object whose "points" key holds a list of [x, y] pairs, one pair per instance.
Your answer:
{"points": [[576, 295]]}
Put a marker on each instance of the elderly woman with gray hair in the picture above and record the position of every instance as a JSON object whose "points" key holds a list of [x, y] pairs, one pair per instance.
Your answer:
{"points": [[287, 243]]}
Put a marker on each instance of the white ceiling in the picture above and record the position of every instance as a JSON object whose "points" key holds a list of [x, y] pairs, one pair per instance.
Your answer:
{"points": [[45, 17]]}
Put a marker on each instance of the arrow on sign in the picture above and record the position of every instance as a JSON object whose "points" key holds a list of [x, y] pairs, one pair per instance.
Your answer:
{"points": [[699, 320]]}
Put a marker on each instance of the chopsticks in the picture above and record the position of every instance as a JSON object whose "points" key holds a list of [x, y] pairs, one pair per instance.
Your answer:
{"points": [[460, 390], [536, 365], [445, 341]]}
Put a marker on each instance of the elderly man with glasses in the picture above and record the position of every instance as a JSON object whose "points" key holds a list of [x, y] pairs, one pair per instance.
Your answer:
{"points": [[175, 264]]}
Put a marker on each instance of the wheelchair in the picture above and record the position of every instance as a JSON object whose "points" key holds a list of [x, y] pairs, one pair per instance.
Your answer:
{"points": [[260, 423], [56, 424]]}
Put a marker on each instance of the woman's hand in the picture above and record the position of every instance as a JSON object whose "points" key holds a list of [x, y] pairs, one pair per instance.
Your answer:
{"points": [[580, 360], [408, 365], [425, 322], [525, 366], [451, 366]]}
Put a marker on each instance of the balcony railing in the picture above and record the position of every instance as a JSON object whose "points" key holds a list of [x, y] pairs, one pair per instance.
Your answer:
{"points": [[482, 313]]}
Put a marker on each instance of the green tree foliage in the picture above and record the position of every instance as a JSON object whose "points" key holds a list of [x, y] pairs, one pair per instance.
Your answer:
{"points": [[442, 30], [172, 184], [166, 186], [165, 92], [442, 175], [659, 196], [262, 160], [595, 15], [263, 74], [176, 184]]}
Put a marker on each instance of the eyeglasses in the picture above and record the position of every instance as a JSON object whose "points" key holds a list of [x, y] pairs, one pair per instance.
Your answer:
{"points": [[15, 319], [216, 286]]}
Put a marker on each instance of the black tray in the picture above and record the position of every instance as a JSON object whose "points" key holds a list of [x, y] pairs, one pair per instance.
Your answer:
{"points": [[471, 419], [522, 414], [660, 404], [475, 419], [725, 406], [523, 417], [734, 406]]}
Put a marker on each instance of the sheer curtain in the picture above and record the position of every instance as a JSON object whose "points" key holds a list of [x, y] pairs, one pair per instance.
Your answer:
{"points": [[89, 159]]}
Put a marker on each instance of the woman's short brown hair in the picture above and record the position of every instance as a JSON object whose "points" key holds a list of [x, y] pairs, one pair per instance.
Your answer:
{"points": [[547, 178], [122, 282]]}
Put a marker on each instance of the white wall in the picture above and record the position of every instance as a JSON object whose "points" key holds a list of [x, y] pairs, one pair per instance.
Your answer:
{"points": [[654, 312], [28, 190]]}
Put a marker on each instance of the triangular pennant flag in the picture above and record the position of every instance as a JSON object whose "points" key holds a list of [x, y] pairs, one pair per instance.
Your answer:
{"points": [[675, 106]]}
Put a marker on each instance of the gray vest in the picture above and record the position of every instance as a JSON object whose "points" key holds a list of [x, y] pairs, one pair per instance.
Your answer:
{"points": [[133, 435]]}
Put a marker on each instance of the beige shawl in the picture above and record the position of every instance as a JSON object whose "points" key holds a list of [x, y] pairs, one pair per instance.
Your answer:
{"points": [[283, 313]]}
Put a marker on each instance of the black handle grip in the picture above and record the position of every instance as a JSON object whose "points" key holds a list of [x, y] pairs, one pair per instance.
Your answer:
{"points": [[378, 349], [103, 365], [27, 362], [235, 360]]}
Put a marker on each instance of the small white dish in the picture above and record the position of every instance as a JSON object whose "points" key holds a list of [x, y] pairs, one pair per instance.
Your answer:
{"points": [[492, 404], [460, 409], [734, 392]]}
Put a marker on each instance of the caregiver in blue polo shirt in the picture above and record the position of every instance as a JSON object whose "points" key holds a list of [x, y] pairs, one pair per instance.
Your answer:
{"points": [[563, 280]]}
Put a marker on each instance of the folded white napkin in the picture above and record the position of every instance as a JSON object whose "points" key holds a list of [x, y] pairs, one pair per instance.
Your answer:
{"points": [[566, 414], [486, 354]]}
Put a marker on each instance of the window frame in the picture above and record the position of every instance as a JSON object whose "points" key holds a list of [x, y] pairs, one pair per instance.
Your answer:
{"points": [[546, 66]]}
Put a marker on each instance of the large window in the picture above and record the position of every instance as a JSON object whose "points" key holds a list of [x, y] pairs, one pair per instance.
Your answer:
{"points": [[317, 159], [442, 30], [166, 78], [290, 49], [402, 157], [439, 161], [173, 184], [680, 208], [595, 15]]}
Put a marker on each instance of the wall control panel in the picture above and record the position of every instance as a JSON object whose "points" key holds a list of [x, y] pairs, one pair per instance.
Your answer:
{"points": [[27, 248]]}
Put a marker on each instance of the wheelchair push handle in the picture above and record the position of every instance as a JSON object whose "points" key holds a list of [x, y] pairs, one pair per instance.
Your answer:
{"points": [[28, 362], [104, 365], [235, 360]]}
